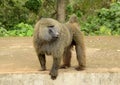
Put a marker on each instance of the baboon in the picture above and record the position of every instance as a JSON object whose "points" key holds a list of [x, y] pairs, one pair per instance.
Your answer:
{"points": [[54, 38]]}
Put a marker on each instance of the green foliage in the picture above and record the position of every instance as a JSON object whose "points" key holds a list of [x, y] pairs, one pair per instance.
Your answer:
{"points": [[106, 22], [33, 5], [48, 8], [3, 32], [70, 10], [85, 7], [104, 30], [17, 17], [20, 29], [110, 17], [12, 13]]}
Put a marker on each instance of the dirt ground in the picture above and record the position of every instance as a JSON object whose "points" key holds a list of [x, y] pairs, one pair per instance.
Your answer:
{"points": [[18, 55]]}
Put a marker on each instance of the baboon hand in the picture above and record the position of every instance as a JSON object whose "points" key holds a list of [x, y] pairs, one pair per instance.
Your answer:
{"points": [[53, 74]]}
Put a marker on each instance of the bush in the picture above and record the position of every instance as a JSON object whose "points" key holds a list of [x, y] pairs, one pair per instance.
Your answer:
{"points": [[105, 22], [12, 13], [70, 9], [3, 32], [20, 29], [33, 5]]}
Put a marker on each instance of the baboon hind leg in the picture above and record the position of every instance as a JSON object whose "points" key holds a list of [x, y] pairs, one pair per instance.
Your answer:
{"points": [[80, 50], [42, 61], [66, 58], [81, 58]]}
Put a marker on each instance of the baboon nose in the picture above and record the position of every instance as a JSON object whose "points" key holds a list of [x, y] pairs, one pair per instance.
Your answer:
{"points": [[57, 35]]}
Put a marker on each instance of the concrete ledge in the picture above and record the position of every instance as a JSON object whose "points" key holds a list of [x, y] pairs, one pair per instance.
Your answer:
{"points": [[105, 77]]}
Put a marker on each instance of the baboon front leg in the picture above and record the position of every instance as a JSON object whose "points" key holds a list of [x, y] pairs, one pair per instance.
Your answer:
{"points": [[42, 61], [55, 67], [66, 58]]}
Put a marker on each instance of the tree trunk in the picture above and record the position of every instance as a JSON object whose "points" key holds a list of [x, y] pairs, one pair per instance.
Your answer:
{"points": [[61, 10]]}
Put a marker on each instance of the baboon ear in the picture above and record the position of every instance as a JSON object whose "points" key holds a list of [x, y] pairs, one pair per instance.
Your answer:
{"points": [[73, 19]]}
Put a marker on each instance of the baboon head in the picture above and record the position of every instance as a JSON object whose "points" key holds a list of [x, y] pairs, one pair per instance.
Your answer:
{"points": [[49, 29]]}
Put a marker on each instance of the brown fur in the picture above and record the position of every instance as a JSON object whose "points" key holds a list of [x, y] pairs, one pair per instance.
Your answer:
{"points": [[78, 41], [69, 35]]}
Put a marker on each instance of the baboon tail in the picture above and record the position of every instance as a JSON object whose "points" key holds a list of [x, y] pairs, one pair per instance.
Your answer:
{"points": [[73, 19]]}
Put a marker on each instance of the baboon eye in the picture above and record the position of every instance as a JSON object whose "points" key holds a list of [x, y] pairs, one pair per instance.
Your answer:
{"points": [[50, 30], [50, 26]]}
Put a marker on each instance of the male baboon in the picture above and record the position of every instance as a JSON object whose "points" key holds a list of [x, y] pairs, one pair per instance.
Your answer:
{"points": [[56, 39]]}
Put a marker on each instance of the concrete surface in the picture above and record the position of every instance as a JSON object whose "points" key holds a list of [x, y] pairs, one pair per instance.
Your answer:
{"points": [[19, 64], [74, 78]]}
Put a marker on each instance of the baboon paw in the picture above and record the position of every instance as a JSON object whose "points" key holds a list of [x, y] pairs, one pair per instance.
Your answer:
{"points": [[53, 75], [80, 68], [43, 69], [64, 66]]}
